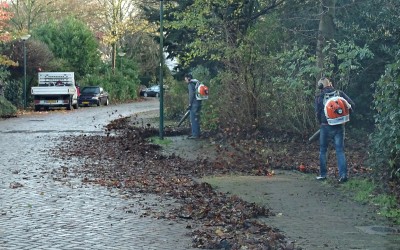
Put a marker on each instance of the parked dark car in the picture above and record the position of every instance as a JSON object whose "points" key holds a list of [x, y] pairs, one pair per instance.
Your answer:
{"points": [[153, 91], [93, 95]]}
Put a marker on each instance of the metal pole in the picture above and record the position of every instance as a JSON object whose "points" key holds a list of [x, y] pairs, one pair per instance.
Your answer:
{"points": [[161, 72], [24, 74], [24, 38]]}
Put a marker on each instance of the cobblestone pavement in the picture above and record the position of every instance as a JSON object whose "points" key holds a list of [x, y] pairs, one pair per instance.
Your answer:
{"points": [[39, 211]]}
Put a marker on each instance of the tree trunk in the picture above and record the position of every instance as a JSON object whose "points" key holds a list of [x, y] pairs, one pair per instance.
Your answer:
{"points": [[326, 30], [113, 56]]}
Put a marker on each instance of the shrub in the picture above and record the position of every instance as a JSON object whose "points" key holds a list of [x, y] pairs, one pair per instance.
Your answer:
{"points": [[385, 141], [13, 92], [6, 108]]}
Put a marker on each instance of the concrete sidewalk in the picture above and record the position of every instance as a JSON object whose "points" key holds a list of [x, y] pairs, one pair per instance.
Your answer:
{"points": [[313, 214]]}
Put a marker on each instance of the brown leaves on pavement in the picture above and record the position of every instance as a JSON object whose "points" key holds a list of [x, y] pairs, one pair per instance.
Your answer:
{"points": [[124, 159]]}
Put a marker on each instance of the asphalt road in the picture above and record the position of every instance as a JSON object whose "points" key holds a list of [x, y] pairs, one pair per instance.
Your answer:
{"points": [[39, 211]]}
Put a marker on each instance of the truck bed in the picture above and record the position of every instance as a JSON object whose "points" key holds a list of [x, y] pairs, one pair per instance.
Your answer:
{"points": [[53, 90]]}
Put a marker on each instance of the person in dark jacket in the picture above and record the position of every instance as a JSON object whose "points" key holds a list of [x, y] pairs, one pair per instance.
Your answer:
{"points": [[194, 106], [330, 132]]}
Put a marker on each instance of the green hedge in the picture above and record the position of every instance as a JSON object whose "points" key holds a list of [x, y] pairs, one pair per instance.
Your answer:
{"points": [[6, 108]]}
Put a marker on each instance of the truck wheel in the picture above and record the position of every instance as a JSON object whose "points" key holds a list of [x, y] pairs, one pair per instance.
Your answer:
{"points": [[99, 102], [37, 108], [76, 106], [107, 102], [69, 107]]}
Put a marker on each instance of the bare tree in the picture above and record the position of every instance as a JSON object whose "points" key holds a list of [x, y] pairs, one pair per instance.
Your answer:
{"points": [[28, 14], [115, 18]]}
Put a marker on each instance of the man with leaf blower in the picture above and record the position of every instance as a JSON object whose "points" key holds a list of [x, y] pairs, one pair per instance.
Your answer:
{"points": [[194, 106], [332, 109]]}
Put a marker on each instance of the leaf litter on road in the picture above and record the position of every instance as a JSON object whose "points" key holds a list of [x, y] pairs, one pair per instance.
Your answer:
{"points": [[124, 159]]}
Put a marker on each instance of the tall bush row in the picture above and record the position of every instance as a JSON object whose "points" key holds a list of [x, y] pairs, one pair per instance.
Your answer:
{"points": [[385, 141]]}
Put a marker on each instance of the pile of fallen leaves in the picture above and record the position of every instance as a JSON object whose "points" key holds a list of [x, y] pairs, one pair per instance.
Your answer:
{"points": [[124, 159]]}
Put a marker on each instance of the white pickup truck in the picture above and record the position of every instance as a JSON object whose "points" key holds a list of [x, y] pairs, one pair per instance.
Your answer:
{"points": [[56, 89]]}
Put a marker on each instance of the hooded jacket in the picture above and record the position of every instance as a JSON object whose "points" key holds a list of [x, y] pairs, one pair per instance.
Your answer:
{"points": [[192, 93]]}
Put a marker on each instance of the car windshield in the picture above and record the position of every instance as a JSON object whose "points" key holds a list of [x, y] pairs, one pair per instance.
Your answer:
{"points": [[90, 90], [155, 88]]}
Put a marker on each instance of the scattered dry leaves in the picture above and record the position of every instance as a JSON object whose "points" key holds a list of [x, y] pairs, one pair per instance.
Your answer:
{"points": [[124, 159]]}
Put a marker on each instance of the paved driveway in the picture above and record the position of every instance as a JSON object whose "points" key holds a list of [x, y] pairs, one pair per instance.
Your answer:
{"points": [[40, 211]]}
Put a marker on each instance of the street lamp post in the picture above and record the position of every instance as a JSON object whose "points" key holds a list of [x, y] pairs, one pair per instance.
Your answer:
{"points": [[24, 38], [121, 54], [161, 71]]}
